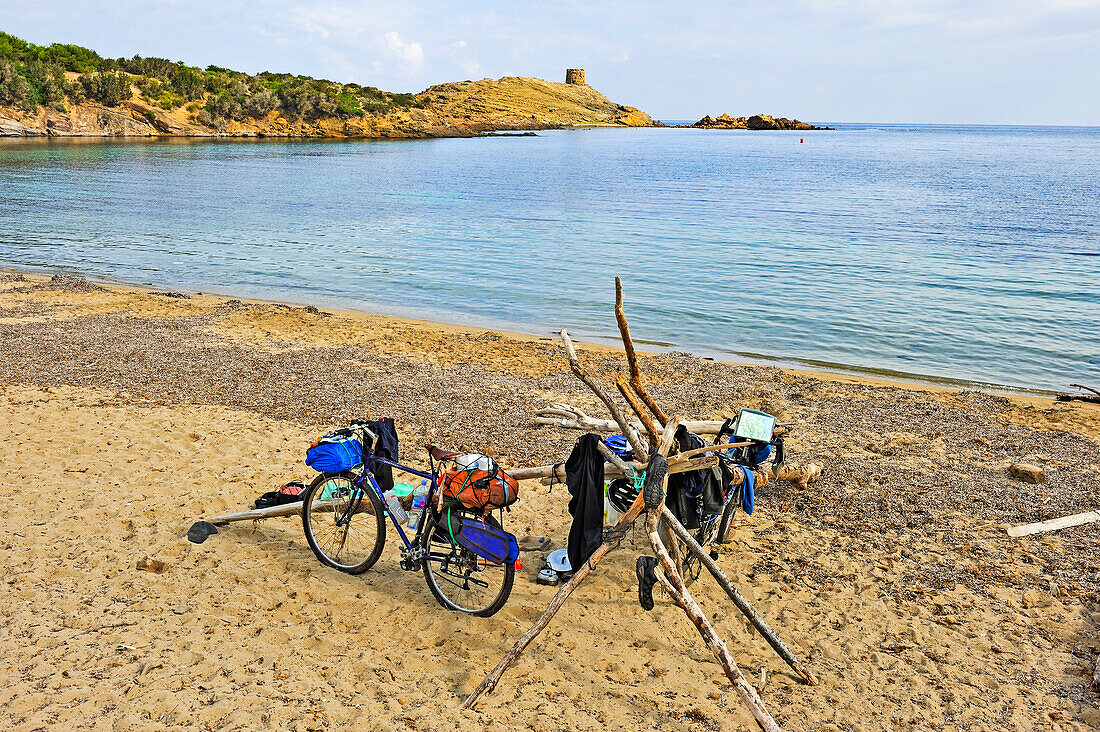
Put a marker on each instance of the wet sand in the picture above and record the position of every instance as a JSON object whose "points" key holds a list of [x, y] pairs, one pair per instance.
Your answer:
{"points": [[125, 416]]}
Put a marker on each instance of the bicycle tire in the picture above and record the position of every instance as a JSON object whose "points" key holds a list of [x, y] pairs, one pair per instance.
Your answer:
{"points": [[464, 556], [725, 525], [321, 535]]}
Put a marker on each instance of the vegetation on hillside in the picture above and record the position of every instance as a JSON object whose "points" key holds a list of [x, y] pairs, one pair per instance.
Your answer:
{"points": [[33, 76]]}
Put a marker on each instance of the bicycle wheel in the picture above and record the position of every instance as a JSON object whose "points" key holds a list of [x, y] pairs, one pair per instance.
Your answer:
{"points": [[461, 580], [725, 524], [345, 526]]}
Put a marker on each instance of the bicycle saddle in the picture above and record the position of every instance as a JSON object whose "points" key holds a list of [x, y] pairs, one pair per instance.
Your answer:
{"points": [[440, 454]]}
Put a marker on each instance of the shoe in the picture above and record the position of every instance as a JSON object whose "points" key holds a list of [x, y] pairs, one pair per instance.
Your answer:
{"points": [[647, 577], [654, 489]]}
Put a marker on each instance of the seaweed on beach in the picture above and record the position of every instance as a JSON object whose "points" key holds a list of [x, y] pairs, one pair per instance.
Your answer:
{"points": [[899, 463]]}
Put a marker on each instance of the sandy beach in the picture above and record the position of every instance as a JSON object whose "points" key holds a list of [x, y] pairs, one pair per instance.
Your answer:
{"points": [[127, 415]]}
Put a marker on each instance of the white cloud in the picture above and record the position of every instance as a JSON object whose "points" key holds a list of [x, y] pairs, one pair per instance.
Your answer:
{"points": [[409, 54]]}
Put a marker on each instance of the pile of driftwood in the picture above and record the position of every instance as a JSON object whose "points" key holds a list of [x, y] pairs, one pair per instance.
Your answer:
{"points": [[651, 436]]}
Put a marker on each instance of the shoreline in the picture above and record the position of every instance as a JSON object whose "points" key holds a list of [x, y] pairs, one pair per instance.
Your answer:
{"points": [[843, 373]]}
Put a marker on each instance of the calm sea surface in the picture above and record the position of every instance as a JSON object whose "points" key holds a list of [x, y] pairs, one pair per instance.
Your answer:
{"points": [[966, 253]]}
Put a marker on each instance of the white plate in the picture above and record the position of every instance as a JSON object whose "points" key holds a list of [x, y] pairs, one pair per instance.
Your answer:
{"points": [[558, 560]]}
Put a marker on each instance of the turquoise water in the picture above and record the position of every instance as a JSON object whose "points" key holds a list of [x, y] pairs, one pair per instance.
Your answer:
{"points": [[967, 253]]}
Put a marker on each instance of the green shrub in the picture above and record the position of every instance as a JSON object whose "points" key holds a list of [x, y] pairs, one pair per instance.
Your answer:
{"points": [[32, 75], [260, 104], [110, 89], [14, 89]]}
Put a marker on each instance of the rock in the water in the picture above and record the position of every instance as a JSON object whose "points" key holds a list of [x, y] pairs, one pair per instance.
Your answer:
{"points": [[1027, 473], [755, 122]]}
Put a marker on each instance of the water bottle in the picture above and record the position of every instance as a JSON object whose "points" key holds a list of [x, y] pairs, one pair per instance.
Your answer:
{"points": [[420, 501], [394, 507]]}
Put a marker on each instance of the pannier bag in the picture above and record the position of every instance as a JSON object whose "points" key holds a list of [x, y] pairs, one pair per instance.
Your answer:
{"points": [[481, 486], [493, 544], [335, 452]]}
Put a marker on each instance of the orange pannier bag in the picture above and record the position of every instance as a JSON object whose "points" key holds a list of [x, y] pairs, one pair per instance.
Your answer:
{"points": [[480, 490]]}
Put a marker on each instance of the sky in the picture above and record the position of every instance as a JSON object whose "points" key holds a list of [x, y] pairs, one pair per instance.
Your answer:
{"points": [[923, 61]]}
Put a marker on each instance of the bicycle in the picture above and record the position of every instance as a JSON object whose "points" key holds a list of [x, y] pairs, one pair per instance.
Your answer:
{"points": [[749, 449], [344, 513]]}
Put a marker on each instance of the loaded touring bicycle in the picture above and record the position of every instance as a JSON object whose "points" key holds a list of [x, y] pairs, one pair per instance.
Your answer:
{"points": [[468, 560]]}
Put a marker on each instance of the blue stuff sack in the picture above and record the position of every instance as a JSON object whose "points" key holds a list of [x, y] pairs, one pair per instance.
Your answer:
{"points": [[334, 454], [494, 545]]}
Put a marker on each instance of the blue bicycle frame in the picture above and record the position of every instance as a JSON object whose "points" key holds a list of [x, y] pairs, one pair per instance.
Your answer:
{"points": [[368, 475]]}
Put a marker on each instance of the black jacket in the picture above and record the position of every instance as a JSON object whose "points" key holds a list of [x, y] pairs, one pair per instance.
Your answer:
{"points": [[386, 446], [584, 477]]}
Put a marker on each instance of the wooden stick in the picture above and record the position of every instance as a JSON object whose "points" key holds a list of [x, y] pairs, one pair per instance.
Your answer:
{"points": [[1054, 524], [738, 599], [632, 357], [675, 586], [575, 419], [611, 539], [575, 364], [287, 509], [1080, 397], [548, 471], [257, 513], [705, 449], [639, 409], [800, 476]]}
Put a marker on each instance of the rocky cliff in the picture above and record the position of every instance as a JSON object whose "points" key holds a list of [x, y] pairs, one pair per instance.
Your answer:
{"points": [[459, 109], [755, 122]]}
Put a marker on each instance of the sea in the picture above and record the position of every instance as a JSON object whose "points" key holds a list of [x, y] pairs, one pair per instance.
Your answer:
{"points": [[949, 254]]}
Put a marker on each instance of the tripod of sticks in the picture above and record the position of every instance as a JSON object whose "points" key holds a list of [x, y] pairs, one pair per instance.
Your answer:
{"points": [[652, 439]]}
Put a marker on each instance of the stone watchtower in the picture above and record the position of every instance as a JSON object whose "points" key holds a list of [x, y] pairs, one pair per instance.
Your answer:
{"points": [[574, 76]]}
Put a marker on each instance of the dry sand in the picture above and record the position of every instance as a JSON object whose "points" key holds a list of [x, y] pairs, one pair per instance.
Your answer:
{"points": [[125, 416]]}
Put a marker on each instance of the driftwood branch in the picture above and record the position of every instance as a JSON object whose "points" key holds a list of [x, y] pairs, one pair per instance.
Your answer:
{"points": [[287, 509], [570, 417], [800, 476], [674, 585], [557, 472], [611, 540], [580, 372], [738, 599], [632, 357], [1063, 522], [1080, 397], [639, 409]]}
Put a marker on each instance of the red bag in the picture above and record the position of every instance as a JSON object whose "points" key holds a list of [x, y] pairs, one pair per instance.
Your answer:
{"points": [[480, 490]]}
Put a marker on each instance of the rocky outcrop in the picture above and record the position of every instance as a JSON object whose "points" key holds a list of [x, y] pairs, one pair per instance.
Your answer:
{"points": [[461, 109], [755, 122]]}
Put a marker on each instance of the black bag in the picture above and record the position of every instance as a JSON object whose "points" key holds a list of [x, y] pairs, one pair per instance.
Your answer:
{"points": [[693, 494], [289, 493]]}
